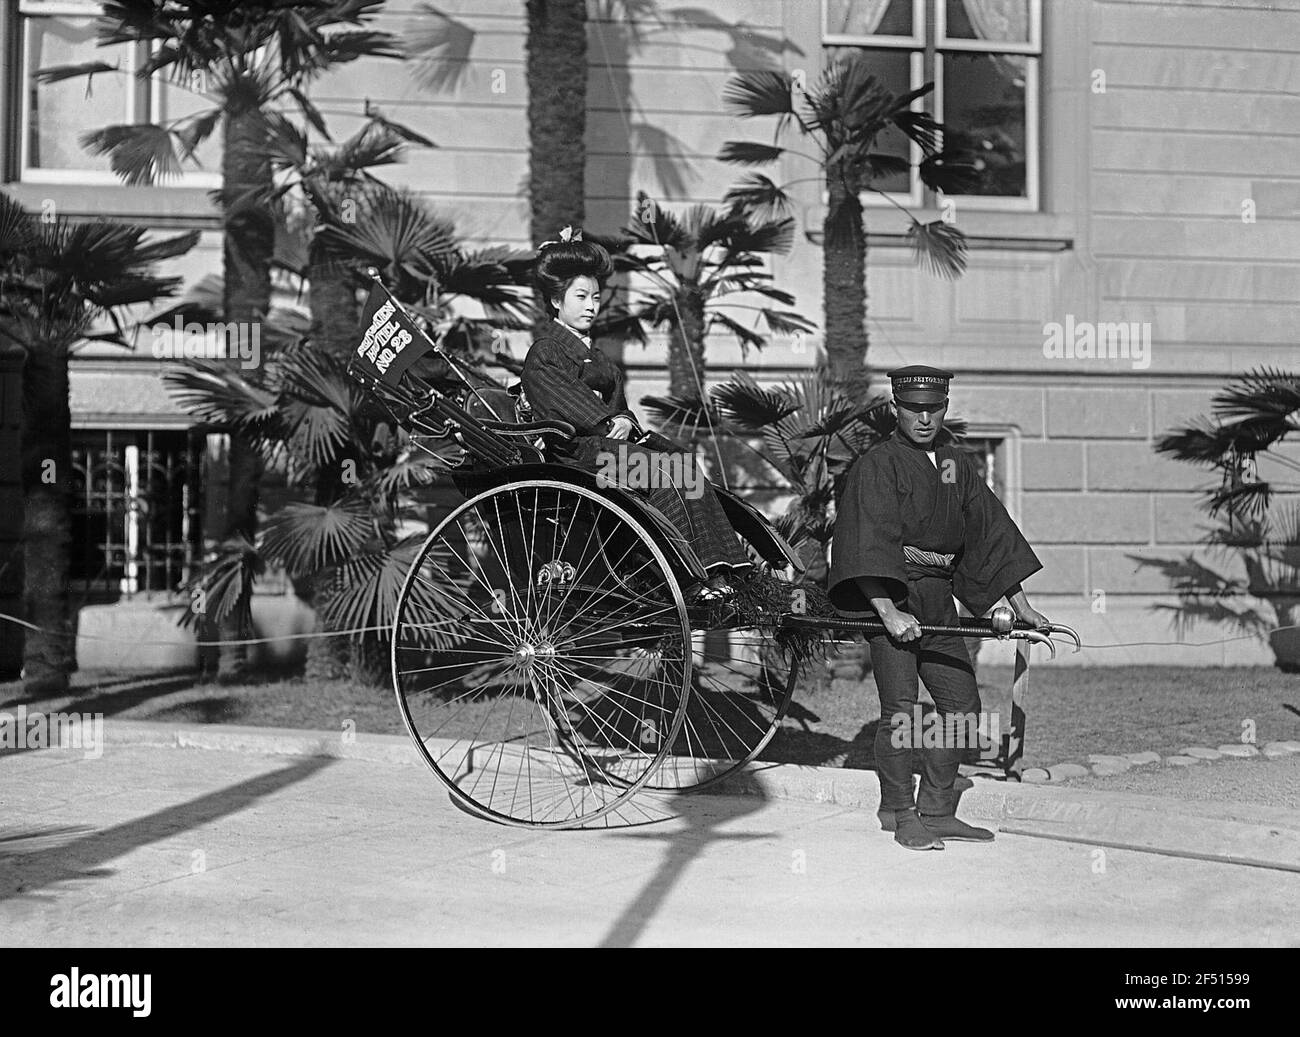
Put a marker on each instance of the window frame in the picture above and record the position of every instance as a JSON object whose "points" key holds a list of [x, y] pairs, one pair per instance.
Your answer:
{"points": [[914, 42], [927, 49], [142, 102]]}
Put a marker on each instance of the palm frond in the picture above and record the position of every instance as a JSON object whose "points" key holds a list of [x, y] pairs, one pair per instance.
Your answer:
{"points": [[949, 171], [748, 336], [141, 154], [759, 196], [343, 47], [412, 468], [919, 127], [681, 412], [367, 585], [396, 232], [305, 538], [938, 247], [882, 164], [750, 406], [749, 153], [222, 590], [193, 130], [1267, 399], [60, 73], [652, 224], [438, 47], [753, 94], [316, 406], [766, 236], [787, 322], [18, 229], [216, 393]]}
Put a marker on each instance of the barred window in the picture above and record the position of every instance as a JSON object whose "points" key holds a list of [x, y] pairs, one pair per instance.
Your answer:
{"points": [[135, 511]]}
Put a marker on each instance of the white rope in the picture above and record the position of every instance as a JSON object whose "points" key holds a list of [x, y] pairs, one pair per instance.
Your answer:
{"points": [[189, 644], [367, 630]]}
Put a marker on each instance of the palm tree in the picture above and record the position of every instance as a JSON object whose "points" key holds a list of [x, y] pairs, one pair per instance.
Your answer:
{"points": [[349, 552], [348, 544], [462, 295], [556, 71], [807, 433], [62, 283], [315, 186], [354, 221], [696, 265], [843, 115], [253, 61], [1252, 417]]}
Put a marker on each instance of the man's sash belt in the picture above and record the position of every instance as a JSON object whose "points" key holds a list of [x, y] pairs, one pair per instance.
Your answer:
{"points": [[921, 564]]}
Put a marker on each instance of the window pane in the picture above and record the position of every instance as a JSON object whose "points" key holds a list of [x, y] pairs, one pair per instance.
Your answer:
{"points": [[1001, 20], [984, 113], [893, 70], [869, 17], [62, 112], [176, 102]]}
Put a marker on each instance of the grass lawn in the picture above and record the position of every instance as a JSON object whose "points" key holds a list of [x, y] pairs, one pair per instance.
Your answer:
{"points": [[1072, 711]]}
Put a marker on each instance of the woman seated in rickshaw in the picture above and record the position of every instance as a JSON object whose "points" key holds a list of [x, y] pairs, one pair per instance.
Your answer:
{"points": [[566, 377]]}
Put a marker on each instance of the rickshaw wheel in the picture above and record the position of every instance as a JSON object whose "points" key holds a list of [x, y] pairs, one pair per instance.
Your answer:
{"points": [[516, 654], [742, 682]]}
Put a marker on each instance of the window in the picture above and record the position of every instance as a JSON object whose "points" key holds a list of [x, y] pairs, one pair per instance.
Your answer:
{"points": [[135, 511], [983, 58], [985, 452], [54, 116]]}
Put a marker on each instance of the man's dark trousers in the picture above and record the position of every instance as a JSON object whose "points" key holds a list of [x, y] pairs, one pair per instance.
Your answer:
{"points": [[943, 662]]}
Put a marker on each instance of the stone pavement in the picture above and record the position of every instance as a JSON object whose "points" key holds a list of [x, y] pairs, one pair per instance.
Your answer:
{"points": [[149, 846]]}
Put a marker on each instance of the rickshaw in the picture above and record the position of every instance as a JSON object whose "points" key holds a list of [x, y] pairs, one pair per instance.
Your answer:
{"points": [[548, 657]]}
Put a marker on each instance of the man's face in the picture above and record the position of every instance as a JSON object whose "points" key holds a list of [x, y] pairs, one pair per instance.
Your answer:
{"points": [[921, 422]]}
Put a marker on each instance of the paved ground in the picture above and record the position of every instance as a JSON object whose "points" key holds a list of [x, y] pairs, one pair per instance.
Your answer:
{"points": [[158, 846]]}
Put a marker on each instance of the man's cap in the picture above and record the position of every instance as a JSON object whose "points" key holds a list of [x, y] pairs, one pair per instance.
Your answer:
{"points": [[920, 384]]}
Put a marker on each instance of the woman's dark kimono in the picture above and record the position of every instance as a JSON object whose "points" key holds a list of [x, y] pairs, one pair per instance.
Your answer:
{"points": [[565, 378]]}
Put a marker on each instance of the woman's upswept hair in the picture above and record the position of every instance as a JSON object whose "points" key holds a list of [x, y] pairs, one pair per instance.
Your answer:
{"points": [[559, 263]]}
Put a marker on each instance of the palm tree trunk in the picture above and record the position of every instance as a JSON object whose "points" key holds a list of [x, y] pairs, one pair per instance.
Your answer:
{"points": [[248, 244], [47, 471], [686, 376], [556, 70], [334, 318], [333, 302], [844, 282]]}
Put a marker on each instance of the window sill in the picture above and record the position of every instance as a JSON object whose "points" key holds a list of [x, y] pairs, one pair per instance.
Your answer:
{"points": [[984, 229], [155, 206]]}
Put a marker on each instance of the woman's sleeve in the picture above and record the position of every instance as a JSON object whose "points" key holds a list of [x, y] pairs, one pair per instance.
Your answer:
{"points": [[618, 399], [556, 390]]}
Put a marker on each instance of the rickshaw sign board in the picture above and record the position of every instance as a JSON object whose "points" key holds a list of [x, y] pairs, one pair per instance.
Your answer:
{"points": [[390, 341]]}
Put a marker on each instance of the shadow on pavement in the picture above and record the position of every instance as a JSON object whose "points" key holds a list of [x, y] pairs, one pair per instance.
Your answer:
{"points": [[110, 696], [24, 872], [704, 817]]}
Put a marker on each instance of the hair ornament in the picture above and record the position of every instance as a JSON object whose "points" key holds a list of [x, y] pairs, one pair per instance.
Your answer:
{"points": [[567, 235]]}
